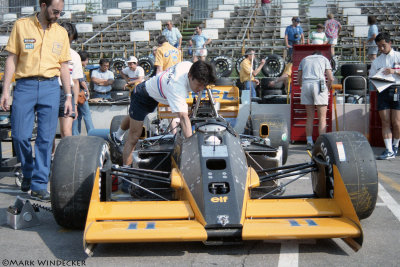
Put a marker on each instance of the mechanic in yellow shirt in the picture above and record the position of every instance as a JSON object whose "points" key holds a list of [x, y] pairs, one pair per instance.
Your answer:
{"points": [[247, 73], [166, 55], [38, 53]]}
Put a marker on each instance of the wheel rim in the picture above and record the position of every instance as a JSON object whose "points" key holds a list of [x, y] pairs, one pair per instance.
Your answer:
{"points": [[221, 66], [146, 67]]}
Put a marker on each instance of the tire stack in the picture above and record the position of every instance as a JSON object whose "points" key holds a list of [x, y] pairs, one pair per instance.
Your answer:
{"points": [[117, 92], [273, 68], [355, 86]]}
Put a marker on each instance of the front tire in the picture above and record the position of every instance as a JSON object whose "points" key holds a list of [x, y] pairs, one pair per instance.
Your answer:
{"points": [[76, 161], [352, 154]]}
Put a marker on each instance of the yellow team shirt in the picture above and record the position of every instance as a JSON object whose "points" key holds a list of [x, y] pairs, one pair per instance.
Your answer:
{"points": [[245, 69], [40, 53], [288, 69], [167, 56]]}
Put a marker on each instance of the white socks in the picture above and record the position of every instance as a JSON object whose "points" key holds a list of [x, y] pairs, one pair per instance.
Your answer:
{"points": [[388, 144], [309, 140], [396, 142], [120, 133]]}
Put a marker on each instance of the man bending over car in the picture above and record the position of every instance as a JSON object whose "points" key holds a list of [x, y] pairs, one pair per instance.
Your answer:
{"points": [[169, 87]]}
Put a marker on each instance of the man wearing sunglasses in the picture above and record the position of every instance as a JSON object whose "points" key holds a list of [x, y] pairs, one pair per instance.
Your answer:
{"points": [[38, 53]]}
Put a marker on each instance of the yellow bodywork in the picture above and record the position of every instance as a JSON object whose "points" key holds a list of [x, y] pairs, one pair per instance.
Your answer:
{"points": [[262, 219], [226, 95]]}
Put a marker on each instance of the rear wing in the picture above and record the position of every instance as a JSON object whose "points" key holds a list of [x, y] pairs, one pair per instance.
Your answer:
{"points": [[227, 97]]}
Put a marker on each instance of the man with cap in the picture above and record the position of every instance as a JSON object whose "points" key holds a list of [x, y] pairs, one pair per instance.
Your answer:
{"points": [[293, 35], [173, 35], [133, 74]]}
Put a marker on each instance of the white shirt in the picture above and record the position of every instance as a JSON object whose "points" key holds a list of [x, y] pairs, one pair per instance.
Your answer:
{"points": [[171, 87], [107, 75], [75, 67], [139, 72], [313, 67], [384, 61]]}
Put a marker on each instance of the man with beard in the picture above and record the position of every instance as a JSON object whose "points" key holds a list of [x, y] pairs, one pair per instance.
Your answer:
{"points": [[38, 53]]}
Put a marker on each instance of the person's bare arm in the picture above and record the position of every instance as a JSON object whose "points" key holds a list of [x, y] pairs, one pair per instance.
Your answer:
{"points": [[186, 126], [207, 42], [66, 84], [287, 41], [11, 64], [256, 71], [125, 77], [299, 74], [75, 89], [330, 78], [302, 38], [98, 81]]}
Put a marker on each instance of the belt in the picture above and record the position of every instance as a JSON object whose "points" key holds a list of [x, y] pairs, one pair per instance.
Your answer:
{"points": [[40, 78], [102, 93]]}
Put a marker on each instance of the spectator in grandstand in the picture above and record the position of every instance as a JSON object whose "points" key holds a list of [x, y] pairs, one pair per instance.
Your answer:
{"points": [[314, 91], [285, 77], [319, 36], [201, 41], [76, 72], [332, 30], [152, 55], [266, 7], [83, 110], [171, 89], [388, 99], [173, 35], [133, 74], [293, 35], [37, 63], [370, 42], [247, 74], [166, 55], [102, 79]]}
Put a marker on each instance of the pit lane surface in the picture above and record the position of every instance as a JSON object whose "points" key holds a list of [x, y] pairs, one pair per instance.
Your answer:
{"points": [[51, 245]]}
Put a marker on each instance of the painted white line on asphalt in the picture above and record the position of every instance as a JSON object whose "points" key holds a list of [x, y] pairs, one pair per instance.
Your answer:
{"points": [[10, 191], [381, 204], [289, 255], [389, 201]]}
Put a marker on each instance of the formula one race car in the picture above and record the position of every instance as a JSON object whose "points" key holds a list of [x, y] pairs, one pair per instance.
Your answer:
{"points": [[216, 186]]}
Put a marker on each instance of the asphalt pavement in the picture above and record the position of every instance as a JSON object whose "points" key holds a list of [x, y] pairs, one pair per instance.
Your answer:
{"points": [[50, 245]]}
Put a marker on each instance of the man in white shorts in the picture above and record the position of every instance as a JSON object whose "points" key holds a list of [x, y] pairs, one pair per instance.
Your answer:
{"points": [[170, 87], [201, 41], [315, 91]]}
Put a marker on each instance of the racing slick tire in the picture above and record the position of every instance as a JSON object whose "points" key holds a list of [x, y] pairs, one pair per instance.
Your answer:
{"points": [[353, 156], [224, 81], [73, 172], [353, 70], [237, 65], [355, 83], [148, 66], [115, 151], [117, 65], [223, 66], [271, 92], [277, 129], [118, 84], [274, 66]]}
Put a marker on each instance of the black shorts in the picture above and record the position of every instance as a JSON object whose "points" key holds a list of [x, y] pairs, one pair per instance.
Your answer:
{"points": [[385, 98], [141, 103], [62, 105]]}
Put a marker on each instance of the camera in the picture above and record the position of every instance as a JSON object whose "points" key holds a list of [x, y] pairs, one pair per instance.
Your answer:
{"points": [[296, 36]]}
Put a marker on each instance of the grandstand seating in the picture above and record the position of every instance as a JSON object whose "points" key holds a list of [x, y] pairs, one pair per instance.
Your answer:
{"points": [[246, 27]]}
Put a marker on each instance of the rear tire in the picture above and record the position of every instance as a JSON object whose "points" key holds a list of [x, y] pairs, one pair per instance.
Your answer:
{"points": [[116, 155], [274, 66], [73, 172], [356, 164], [147, 64], [223, 66]]}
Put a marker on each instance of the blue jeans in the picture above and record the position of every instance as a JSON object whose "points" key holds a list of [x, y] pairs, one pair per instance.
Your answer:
{"points": [[42, 97], [249, 85], [83, 111]]}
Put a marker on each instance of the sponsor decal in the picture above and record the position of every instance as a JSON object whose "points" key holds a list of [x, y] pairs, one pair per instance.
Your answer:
{"points": [[29, 40], [219, 199], [29, 46]]}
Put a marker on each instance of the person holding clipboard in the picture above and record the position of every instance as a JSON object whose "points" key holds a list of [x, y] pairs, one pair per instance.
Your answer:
{"points": [[387, 67]]}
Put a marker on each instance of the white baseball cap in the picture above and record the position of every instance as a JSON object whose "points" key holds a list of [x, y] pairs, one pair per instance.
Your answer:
{"points": [[132, 59]]}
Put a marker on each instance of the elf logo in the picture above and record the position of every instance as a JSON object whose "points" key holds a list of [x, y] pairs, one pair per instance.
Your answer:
{"points": [[219, 199]]}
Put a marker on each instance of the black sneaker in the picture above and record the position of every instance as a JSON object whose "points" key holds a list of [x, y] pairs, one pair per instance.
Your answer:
{"points": [[41, 195], [25, 184]]}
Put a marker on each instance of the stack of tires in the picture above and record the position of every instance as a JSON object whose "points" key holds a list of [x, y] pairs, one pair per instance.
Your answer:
{"points": [[118, 91], [273, 68], [354, 86]]}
